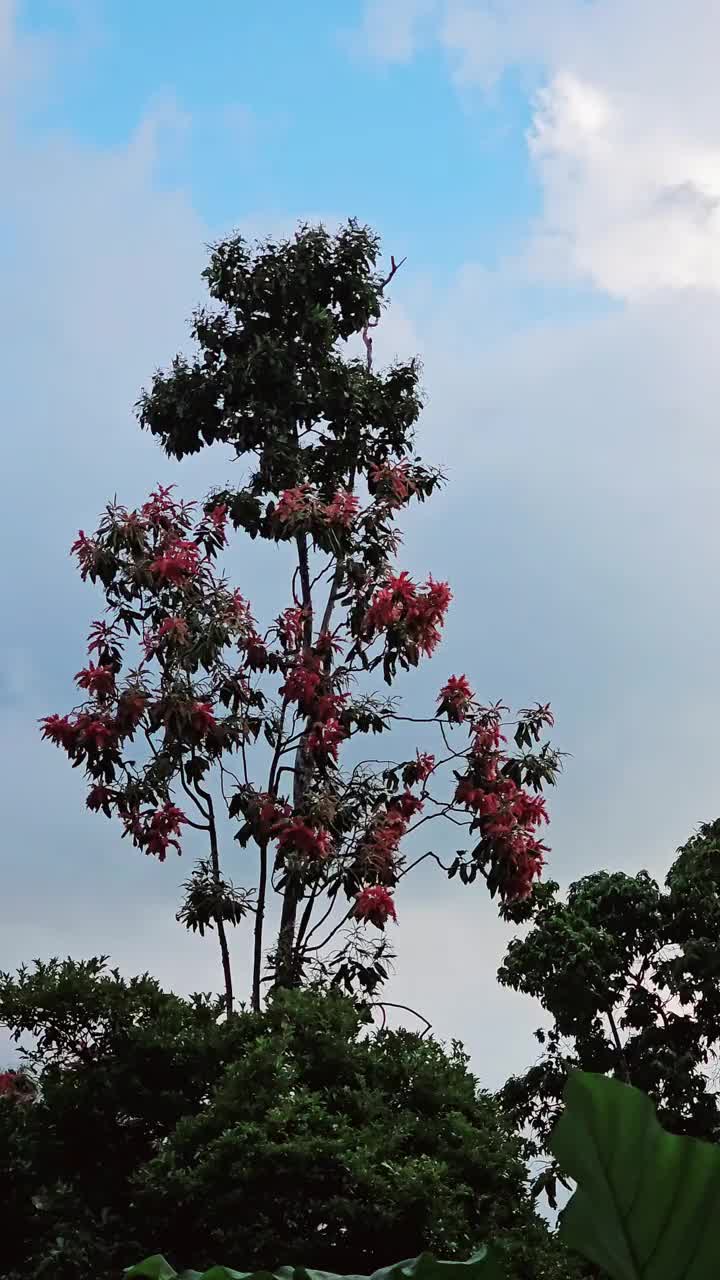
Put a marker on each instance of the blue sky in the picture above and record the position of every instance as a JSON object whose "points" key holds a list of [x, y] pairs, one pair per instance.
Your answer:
{"points": [[553, 174], [279, 107]]}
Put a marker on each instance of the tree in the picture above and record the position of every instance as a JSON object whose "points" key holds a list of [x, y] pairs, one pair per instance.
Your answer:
{"points": [[630, 974], [157, 1123], [190, 702]]}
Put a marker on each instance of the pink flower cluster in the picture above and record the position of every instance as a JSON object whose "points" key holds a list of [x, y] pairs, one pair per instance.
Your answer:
{"points": [[310, 842], [417, 612], [305, 685], [394, 482], [177, 562], [456, 699], [379, 852], [175, 629], [301, 504], [506, 815], [15, 1086], [375, 904], [290, 627], [155, 831], [98, 680]]}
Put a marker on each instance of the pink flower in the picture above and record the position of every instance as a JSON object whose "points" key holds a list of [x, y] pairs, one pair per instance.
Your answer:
{"points": [[393, 482], [309, 842], [98, 733], [218, 518], [295, 504], [159, 831], [324, 739], [375, 904], [99, 681], [178, 562], [419, 769], [86, 551], [290, 627], [61, 730], [455, 698], [342, 510], [202, 718], [302, 686]]}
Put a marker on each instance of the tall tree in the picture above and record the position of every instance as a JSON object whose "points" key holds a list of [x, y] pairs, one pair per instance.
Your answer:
{"points": [[630, 975], [195, 714]]}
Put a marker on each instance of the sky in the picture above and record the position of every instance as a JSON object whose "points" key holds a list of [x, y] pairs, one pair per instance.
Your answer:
{"points": [[552, 172]]}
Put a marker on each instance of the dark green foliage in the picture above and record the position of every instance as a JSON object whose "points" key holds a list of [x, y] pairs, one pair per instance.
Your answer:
{"points": [[630, 974], [117, 1064], [322, 1144], [645, 1207], [270, 365], [296, 1132]]}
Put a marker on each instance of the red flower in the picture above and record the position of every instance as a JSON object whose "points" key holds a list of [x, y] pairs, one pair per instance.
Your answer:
{"points": [[295, 504], [130, 710], [375, 904], [202, 718], [16, 1086], [329, 706], [326, 645], [290, 627], [103, 636], [99, 797], [98, 733], [61, 730], [161, 508], [421, 611], [309, 842], [342, 510], [301, 686], [393, 482], [383, 613], [99, 681], [162, 826], [325, 739], [419, 769], [271, 814], [407, 804], [178, 562], [218, 519], [256, 654], [455, 698], [240, 615], [86, 551]]}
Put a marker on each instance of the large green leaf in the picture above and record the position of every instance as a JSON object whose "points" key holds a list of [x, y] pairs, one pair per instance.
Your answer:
{"points": [[484, 1265], [647, 1206]]}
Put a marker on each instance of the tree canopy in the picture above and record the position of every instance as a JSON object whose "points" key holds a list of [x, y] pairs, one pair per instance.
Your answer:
{"points": [[157, 1124], [630, 973]]}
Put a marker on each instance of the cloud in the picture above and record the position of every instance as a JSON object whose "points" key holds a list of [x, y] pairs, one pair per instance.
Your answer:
{"points": [[393, 32], [625, 137]]}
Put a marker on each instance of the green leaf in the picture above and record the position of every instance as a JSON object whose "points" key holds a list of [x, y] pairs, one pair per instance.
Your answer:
{"points": [[484, 1265], [154, 1268], [647, 1202]]}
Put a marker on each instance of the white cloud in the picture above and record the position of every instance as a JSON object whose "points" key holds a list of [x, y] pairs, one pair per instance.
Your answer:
{"points": [[626, 130], [393, 31]]}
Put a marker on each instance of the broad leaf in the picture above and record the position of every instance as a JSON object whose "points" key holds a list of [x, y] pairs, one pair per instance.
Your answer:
{"points": [[647, 1205], [484, 1265]]}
